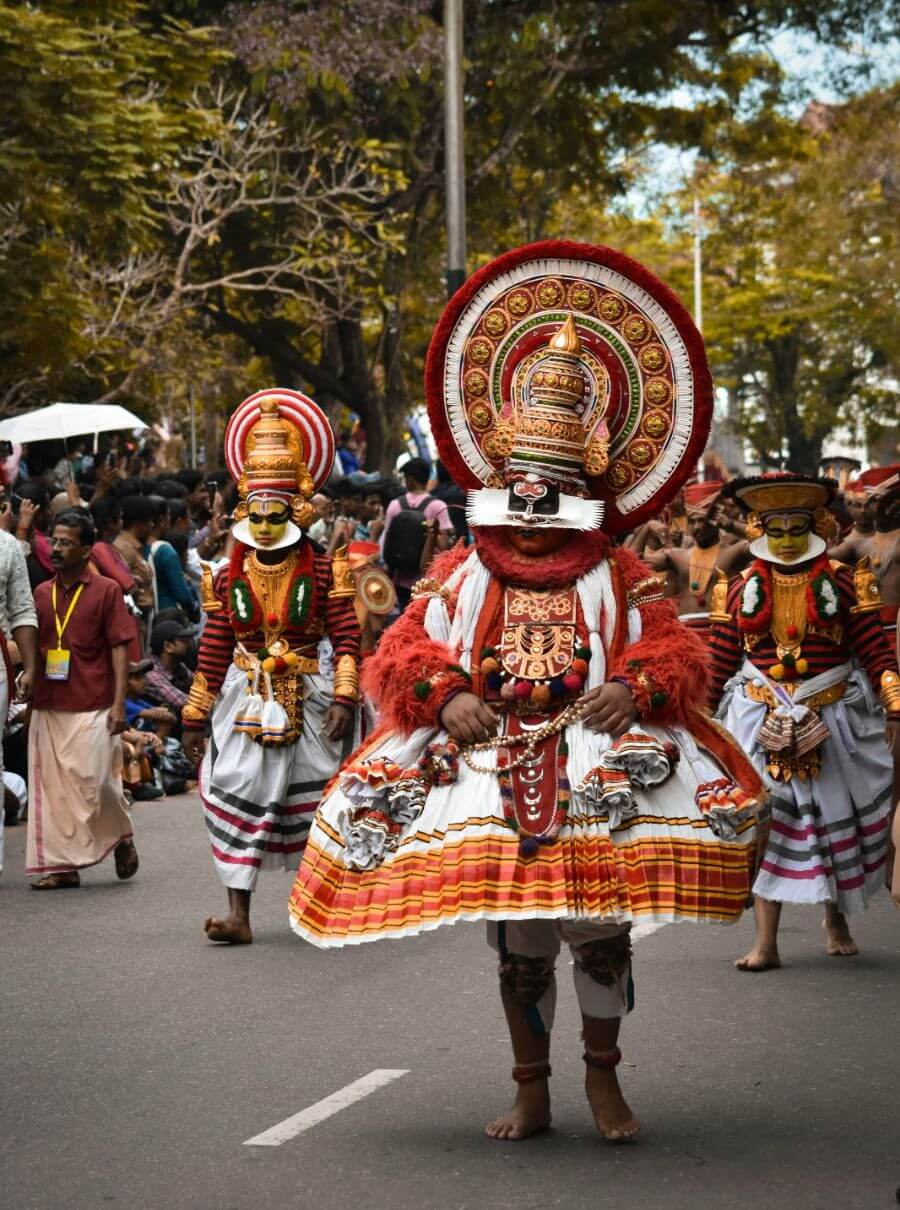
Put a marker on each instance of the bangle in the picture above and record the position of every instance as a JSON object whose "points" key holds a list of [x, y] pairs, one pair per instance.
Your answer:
{"points": [[890, 693], [200, 701], [346, 678]]}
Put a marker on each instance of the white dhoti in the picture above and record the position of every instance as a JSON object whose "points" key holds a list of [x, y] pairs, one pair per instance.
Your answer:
{"points": [[259, 802], [76, 806], [829, 836]]}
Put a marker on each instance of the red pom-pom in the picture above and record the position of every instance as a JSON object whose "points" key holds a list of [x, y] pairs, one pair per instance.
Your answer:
{"points": [[280, 664], [272, 619], [580, 667], [523, 689], [573, 682]]}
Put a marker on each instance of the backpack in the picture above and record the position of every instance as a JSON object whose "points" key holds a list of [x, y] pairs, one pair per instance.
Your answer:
{"points": [[405, 538]]}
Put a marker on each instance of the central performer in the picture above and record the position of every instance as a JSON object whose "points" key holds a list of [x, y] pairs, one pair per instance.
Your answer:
{"points": [[542, 762]]}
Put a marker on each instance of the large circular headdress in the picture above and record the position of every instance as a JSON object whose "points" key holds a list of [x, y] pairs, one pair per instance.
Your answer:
{"points": [[554, 342]]}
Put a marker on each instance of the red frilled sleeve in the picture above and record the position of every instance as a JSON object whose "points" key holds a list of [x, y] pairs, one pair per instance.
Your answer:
{"points": [[410, 677], [667, 670]]}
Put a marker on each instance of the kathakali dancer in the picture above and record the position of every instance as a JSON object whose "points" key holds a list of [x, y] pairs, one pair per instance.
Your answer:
{"points": [[542, 762], [277, 680], [800, 660]]}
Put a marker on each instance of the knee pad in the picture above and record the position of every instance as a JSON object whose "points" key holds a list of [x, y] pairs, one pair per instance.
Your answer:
{"points": [[526, 980], [606, 960]]}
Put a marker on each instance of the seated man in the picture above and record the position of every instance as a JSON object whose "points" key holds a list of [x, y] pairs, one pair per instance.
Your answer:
{"points": [[139, 710], [168, 678]]}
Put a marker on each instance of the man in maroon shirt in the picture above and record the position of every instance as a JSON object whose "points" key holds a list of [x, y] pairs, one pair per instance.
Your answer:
{"points": [[77, 813]]}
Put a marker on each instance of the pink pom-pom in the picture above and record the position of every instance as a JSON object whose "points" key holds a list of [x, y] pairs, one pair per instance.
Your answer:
{"points": [[508, 691], [523, 689], [573, 682]]}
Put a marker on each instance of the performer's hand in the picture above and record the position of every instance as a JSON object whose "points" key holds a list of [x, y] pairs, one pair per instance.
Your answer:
{"points": [[193, 744], [892, 736], [467, 719], [115, 720], [610, 708], [337, 720]]}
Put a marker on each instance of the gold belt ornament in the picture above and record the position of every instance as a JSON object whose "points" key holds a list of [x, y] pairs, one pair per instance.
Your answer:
{"points": [[763, 694], [305, 664]]}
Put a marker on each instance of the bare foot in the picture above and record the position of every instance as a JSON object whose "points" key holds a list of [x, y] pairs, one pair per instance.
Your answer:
{"points": [[529, 1115], [57, 882], [233, 930], [838, 942], [760, 958], [614, 1118]]}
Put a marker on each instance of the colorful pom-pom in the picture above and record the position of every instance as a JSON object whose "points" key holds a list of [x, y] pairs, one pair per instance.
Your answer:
{"points": [[523, 689], [272, 619], [788, 660], [792, 631], [490, 665], [487, 653], [528, 846], [422, 689], [281, 664], [583, 652], [557, 688], [802, 667], [494, 681], [540, 695], [580, 667], [291, 659], [572, 682], [262, 654], [658, 699], [268, 664], [508, 691], [776, 672]]}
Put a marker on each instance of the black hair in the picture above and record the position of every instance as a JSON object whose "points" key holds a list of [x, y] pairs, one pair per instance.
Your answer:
{"points": [[178, 511], [36, 491], [179, 541], [443, 475], [159, 508], [76, 519], [128, 487], [416, 469], [137, 508], [190, 479], [105, 511], [170, 489]]}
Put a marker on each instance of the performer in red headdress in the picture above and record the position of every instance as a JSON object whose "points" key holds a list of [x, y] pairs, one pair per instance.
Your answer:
{"points": [[280, 721], [542, 761]]}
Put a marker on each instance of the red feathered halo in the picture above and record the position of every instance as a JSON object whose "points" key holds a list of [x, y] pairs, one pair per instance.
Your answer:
{"points": [[822, 598], [647, 377], [246, 611]]}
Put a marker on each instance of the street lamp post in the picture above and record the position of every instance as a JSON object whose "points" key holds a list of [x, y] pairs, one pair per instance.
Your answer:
{"points": [[454, 151]]}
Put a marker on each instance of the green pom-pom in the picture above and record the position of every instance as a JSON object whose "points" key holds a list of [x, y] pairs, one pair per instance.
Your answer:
{"points": [[263, 653], [460, 671], [788, 660], [422, 689], [488, 653], [658, 699], [583, 653], [634, 664]]}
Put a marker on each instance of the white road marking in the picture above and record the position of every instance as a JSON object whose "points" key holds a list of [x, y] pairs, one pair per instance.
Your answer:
{"points": [[284, 1131]]}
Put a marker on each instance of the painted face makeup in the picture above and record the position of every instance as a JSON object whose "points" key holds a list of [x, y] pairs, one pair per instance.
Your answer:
{"points": [[787, 535], [267, 523]]}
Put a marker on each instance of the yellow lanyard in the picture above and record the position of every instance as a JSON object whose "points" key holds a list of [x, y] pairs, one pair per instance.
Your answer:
{"points": [[61, 626]]}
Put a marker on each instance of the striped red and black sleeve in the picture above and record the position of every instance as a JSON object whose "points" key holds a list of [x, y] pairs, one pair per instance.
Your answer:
{"points": [[864, 633], [218, 641], [725, 645]]}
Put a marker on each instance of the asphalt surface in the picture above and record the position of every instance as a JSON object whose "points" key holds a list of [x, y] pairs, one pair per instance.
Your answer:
{"points": [[137, 1059]]}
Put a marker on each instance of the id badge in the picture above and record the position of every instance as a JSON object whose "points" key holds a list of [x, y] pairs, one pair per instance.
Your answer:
{"points": [[57, 665]]}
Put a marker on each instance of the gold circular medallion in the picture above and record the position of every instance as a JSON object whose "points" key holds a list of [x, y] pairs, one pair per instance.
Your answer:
{"points": [[620, 475], [612, 308], [519, 302], [475, 383], [641, 453], [653, 357], [550, 293], [657, 391], [582, 297], [655, 425], [495, 322], [480, 350], [635, 329], [480, 416]]}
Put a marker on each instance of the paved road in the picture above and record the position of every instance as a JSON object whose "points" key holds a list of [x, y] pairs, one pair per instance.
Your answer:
{"points": [[137, 1059]]}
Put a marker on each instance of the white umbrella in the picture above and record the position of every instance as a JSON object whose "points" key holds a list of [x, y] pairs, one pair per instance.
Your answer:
{"points": [[60, 421]]}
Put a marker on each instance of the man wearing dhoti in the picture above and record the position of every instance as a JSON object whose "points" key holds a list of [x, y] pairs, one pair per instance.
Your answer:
{"points": [[277, 679], [76, 806], [800, 660]]}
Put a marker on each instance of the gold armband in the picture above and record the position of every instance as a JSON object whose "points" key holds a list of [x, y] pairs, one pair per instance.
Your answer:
{"points": [[200, 701], [343, 582], [865, 588], [647, 592], [346, 678], [718, 599], [890, 693], [208, 598]]}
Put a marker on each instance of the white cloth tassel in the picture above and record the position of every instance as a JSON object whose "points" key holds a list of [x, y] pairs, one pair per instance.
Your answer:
{"points": [[468, 610]]}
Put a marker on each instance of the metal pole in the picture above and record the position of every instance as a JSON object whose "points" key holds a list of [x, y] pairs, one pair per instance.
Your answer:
{"points": [[698, 267], [193, 412], [454, 151]]}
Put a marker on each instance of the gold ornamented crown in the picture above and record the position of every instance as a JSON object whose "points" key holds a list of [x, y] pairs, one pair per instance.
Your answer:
{"points": [[275, 465]]}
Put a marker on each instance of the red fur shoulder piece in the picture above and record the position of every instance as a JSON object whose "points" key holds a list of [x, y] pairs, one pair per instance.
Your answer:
{"points": [[563, 567], [633, 569]]}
